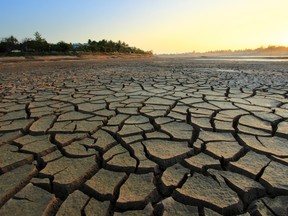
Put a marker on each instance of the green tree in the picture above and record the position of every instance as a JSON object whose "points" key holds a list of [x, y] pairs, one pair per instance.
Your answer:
{"points": [[102, 45], [63, 47], [8, 44], [40, 44], [38, 37], [93, 46], [27, 45]]}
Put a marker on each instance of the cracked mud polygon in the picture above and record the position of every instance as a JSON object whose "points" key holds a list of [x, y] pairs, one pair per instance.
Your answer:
{"points": [[144, 137]]}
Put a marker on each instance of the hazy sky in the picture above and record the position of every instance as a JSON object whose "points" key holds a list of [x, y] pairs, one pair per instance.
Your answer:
{"points": [[164, 26]]}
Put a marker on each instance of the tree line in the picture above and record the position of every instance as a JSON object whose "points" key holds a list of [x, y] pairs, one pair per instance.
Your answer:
{"points": [[39, 45], [269, 50]]}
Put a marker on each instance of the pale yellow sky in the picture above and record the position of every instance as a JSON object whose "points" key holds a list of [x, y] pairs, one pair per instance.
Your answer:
{"points": [[221, 25]]}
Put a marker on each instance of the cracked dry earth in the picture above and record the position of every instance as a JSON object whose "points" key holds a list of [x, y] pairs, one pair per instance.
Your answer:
{"points": [[144, 137]]}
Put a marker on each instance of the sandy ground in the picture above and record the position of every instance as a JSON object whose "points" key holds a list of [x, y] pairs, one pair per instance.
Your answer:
{"points": [[93, 57], [150, 136]]}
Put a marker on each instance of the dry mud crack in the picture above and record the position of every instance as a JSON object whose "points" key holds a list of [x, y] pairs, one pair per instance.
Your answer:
{"points": [[144, 137]]}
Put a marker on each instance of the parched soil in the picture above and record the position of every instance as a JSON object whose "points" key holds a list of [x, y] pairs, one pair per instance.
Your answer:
{"points": [[150, 136]]}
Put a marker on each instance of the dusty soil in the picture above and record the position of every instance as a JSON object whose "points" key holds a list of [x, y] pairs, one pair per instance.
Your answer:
{"points": [[149, 136]]}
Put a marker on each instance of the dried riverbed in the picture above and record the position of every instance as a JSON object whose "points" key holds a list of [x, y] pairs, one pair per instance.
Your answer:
{"points": [[143, 136]]}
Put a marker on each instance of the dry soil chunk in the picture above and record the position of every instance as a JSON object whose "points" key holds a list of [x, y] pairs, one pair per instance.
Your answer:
{"points": [[262, 101], [172, 207], [91, 107], [275, 178], [247, 188], [117, 120], [158, 100], [39, 145], [205, 191], [147, 211], [145, 165], [95, 207], [128, 130], [138, 119], [69, 173], [201, 161], [70, 116], [104, 183], [276, 145], [157, 135], [251, 121], [10, 158], [21, 114], [42, 125], [73, 204], [137, 191], [66, 139], [119, 159], [213, 136], [250, 164], [167, 153], [278, 204], [14, 180], [172, 177], [178, 130], [86, 126], [259, 208], [283, 127], [31, 200], [227, 150], [6, 137], [15, 125], [269, 145], [79, 148], [104, 140]]}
